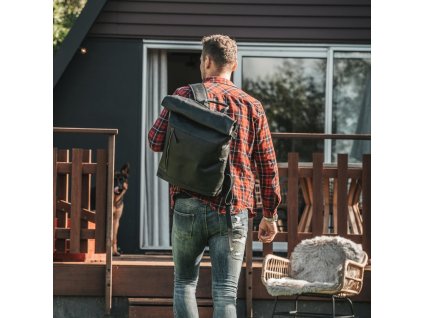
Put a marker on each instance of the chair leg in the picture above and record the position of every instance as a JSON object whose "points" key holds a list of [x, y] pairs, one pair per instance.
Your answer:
{"points": [[351, 306], [274, 306], [334, 306], [296, 305]]}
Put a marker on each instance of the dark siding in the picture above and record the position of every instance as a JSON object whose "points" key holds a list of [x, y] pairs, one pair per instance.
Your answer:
{"points": [[102, 89], [299, 21]]}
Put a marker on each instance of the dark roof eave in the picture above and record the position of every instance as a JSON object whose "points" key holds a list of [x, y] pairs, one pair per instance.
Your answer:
{"points": [[75, 37]]}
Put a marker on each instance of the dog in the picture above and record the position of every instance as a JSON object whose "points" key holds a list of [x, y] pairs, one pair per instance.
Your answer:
{"points": [[120, 188]]}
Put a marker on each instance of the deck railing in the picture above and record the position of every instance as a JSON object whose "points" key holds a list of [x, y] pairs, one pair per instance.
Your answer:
{"points": [[318, 199], [79, 231]]}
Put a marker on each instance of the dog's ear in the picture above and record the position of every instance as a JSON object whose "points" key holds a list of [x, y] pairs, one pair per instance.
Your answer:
{"points": [[125, 169]]}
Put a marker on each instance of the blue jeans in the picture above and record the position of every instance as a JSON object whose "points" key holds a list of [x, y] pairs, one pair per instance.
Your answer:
{"points": [[196, 225]]}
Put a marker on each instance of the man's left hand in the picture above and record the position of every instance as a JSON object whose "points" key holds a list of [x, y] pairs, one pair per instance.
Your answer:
{"points": [[267, 231]]}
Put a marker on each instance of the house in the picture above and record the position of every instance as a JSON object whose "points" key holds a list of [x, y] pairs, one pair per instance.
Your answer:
{"points": [[308, 61]]}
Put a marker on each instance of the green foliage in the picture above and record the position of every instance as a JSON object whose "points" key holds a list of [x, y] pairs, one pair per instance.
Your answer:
{"points": [[65, 12], [293, 102]]}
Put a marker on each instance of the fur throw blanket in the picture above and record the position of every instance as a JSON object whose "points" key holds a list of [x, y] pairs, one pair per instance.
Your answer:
{"points": [[316, 266]]}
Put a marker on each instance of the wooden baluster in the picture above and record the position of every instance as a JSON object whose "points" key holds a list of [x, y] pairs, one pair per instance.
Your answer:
{"points": [[100, 201], [309, 186], [335, 205], [356, 208], [366, 188], [76, 201], [54, 195], [353, 222], [109, 223], [326, 216], [307, 208], [292, 201], [85, 198], [342, 195], [318, 215], [62, 194]]}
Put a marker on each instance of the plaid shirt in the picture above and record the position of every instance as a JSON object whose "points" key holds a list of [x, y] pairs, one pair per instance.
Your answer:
{"points": [[252, 149]]}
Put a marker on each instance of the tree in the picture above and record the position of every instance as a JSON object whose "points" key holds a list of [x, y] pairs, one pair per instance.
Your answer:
{"points": [[65, 13], [293, 102]]}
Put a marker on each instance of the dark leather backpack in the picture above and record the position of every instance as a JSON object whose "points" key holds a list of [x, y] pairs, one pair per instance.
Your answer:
{"points": [[197, 143]]}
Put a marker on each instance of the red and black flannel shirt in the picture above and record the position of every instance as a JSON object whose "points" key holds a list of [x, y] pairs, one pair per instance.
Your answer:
{"points": [[252, 149]]}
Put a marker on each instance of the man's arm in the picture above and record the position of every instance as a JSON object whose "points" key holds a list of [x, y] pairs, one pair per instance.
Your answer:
{"points": [[267, 168], [157, 133]]}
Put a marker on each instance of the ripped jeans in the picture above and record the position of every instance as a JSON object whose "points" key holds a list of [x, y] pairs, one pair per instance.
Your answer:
{"points": [[196, 225]]}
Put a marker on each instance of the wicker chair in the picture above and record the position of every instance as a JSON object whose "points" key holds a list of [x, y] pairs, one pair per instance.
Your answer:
{"points": [[283, 277]]}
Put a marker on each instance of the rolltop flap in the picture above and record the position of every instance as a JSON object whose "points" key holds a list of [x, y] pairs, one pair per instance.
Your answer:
{"points": [[199, 113]]}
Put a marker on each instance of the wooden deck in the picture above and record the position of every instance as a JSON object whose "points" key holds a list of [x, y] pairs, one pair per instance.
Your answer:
{"points": [[151, 276], [317, 199]]}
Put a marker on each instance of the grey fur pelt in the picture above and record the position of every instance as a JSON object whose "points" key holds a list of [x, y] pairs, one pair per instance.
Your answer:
{"points": [[316, 265]]}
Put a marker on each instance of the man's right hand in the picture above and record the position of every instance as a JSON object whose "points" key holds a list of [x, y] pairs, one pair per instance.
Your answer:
{"points": [[267, 231]]}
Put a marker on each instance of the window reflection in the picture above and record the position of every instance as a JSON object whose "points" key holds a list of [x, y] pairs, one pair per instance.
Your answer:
{"points": [[351, 102], [292, 91]]}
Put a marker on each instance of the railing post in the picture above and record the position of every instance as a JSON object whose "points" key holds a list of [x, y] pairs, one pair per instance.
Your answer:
{"points": [[110, 194], [292, 201], [62, 194], [317, 226], [75, 236], [54, 194], [366, 188], [342, 195], [101, 202], [86, 245]]}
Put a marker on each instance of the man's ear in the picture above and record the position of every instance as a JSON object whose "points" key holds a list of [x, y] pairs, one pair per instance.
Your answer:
{"points": [[234, 66], [207, 62]]}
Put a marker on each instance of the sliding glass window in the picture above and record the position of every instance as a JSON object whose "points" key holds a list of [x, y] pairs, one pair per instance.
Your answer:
{"points": [[292, 91], [310, 90], [351, 102]]}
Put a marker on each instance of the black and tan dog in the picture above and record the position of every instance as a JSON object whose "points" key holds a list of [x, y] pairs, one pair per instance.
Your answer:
{"points": [[120, 188]]}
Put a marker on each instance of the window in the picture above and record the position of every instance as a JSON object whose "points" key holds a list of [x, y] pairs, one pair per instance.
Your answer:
{"points": [[292, 91], [351, 102], [303, 88], [310, 89]]}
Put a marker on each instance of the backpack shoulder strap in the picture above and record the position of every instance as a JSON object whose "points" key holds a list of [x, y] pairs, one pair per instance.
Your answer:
{"points": [[200, 93]]}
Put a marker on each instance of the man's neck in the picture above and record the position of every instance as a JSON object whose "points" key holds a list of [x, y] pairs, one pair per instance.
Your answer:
{"points": [[221, 75]]}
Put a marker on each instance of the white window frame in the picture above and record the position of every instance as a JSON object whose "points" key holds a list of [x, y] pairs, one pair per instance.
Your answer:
{"points": [[247, 49], [302, 51]]}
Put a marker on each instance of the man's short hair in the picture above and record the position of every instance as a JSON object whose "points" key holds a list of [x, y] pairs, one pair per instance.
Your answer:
{"points": [[221, 48]]}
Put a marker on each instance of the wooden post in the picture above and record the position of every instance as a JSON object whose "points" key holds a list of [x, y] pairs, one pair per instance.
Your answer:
{"points": [[317, 226], [342, 195], [267, 248], [249, 270], [326, 193], [110, 193], [85, 198], [62, 194], [75, 231], [54, 194], [335, 206], [101, 201], [366, 188], [292, 201]]}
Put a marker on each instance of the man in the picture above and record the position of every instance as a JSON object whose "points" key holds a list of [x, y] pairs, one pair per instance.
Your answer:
{"points": [[199, 220]]}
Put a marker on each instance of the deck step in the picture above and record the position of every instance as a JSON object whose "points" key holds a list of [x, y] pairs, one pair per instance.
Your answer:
{"points": [[162, 307]]}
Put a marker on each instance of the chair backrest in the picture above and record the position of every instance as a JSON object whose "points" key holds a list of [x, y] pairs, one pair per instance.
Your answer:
{"points": [[321, 258]]}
